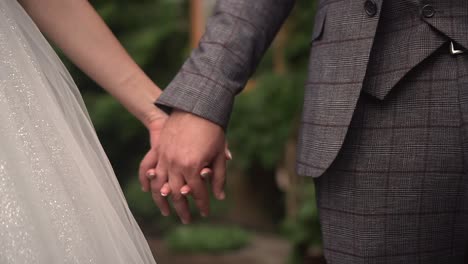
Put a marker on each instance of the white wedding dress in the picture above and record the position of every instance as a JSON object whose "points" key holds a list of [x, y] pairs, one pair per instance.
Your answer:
{"points": [[60, 201]]}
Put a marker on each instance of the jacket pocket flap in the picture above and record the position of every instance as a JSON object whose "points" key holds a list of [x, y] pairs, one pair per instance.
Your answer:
{"points": [[319, 23]]}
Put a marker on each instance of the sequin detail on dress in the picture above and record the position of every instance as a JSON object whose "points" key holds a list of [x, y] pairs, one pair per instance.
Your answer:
{"points": [[59, 199]]}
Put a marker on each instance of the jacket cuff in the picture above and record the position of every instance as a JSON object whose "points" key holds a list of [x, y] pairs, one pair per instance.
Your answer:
{"points": [[200, 96]]}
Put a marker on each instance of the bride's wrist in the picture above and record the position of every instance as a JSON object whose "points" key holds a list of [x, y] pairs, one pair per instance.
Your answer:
{"points": [[155, 116], [152, 113], [138, 94]]}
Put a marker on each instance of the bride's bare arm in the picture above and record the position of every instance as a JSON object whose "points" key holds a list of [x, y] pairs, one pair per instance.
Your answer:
{"points": [[76, 28]]}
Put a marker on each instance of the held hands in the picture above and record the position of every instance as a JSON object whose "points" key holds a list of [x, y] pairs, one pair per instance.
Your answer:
{"points": [[205, 174], [184, 147]]}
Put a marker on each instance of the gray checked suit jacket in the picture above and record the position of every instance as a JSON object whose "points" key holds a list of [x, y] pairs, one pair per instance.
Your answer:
{"points": [[347, 52]]}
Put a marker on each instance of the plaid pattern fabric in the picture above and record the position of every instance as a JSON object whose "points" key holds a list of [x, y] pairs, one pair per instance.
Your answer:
{"points": [[403, 40], [241, 30], [236, 37], [341, 46], [451, 19], [349, 49], [384, 121], [398, 190]]}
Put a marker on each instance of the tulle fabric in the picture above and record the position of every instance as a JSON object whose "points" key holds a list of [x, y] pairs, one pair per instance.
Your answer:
{"points": [[60, 201]]}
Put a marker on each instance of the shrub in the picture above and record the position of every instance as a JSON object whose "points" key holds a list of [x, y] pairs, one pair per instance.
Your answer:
{"points": [[304, 230]]}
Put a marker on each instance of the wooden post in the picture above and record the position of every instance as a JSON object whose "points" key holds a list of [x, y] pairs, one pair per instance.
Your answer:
{"points": [[197, 22], [279, 62], [199, 12]]}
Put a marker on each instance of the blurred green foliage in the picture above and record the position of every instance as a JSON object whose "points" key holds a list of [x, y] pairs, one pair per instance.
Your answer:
{"points": [[207, 239], [304, 230], [156, 34], [263, 120]]}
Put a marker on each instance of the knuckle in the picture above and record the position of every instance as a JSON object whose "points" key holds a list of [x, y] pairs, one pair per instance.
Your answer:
{"points": [[186, 163], [146, 161], [156, 197], [171, 156], [141, 168], [217, 184], [191, 167], [155, 149], [190, 161], [183, 160], [218, 178], [177, 198], [156, 186], [159, 181], [159, 172]]}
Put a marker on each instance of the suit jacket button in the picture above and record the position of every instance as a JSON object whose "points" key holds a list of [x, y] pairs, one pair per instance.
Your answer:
{"points": [[371, 8], [428, 11]]}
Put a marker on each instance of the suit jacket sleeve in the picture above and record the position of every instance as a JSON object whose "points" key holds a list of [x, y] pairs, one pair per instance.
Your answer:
{"points": [[235, 40]]}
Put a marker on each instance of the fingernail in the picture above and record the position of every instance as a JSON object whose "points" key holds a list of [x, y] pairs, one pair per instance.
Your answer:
{"points": [[164, 213], [222, 196], [229, 154], [205, 175], [185, 222], [151, 175], [163, 194]]}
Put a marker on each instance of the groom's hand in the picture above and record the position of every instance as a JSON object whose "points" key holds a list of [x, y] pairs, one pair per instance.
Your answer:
{"points": [[188, 144]]}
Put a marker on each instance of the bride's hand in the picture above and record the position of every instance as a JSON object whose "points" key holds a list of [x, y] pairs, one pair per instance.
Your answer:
{"points": [[154, 126]]}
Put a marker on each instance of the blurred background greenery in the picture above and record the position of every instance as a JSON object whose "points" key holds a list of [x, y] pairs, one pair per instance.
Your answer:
{"points": [[267, 202]]}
